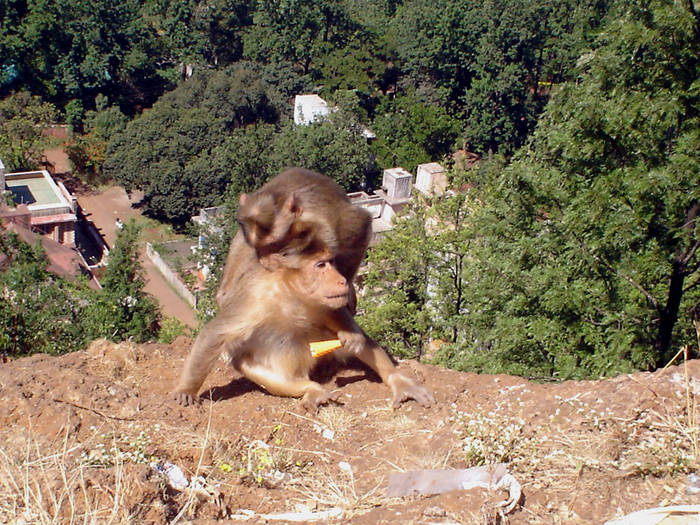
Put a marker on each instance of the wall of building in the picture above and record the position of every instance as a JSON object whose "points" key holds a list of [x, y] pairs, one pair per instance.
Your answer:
{"points": [[170, 276]]}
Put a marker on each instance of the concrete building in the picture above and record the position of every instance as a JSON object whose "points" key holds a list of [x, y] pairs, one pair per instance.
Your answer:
{"points": [[51, 206], [388, 201], [431, 179], [310, 108]]}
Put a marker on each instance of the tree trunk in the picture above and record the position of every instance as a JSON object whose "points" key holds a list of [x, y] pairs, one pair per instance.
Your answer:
{"points": [[679, 271], [669, 313]]}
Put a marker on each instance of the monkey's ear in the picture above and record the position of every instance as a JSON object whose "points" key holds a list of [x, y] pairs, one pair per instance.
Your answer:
{"points": [[292, 204], [242, 198]]}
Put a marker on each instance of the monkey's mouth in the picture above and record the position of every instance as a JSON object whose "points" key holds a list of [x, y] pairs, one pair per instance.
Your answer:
{"points": [[340, 300]]}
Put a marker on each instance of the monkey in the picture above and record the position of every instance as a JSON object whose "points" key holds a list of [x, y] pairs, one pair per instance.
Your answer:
{"points": [[297, 206], [268, 319]]}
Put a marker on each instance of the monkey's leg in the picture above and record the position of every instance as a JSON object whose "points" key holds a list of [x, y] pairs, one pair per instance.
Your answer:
{"points": [[208, 346], [279, 383]]}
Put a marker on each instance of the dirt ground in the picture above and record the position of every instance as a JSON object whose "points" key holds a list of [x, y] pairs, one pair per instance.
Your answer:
{"points": [[85, 438]]}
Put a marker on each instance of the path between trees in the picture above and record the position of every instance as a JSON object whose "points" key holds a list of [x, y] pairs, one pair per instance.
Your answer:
{"points": [[103, 208]]}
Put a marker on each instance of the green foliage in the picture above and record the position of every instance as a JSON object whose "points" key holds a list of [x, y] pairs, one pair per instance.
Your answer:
{"points": [[73, 50], [217, 234], [164, 152], [586, 257], [22, 118], [296, 31], [491, 57], [130, 51], [39, 312], [185, 29], [411, 132], [87, 152], [395, 287], [123, 309], [171, 328], [352, 67], [335, 146], [75, 113], [417, 283], [245, 156], [43, 313]]}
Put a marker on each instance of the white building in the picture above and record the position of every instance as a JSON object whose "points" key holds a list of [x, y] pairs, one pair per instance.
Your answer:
{"points": [[308, 108], [431, 179]]}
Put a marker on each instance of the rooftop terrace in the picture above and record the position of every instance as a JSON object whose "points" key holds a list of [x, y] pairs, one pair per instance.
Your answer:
{"points": [[39, 192]]}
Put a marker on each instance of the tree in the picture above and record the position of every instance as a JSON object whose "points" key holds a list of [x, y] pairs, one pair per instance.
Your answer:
{"points": [[415, 286], [123, 309], [77, 49], [296, 31], [522, 47], [40, 312], [164, 152], [245, 156], [335, 146], [488, 60], [22, 119], [586, 259], [435, 42], [87, 151], [411, 131]]}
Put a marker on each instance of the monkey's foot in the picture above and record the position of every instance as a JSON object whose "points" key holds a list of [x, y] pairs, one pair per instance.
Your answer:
{"points": [[316, 397], [404, 388], [185, 399]]}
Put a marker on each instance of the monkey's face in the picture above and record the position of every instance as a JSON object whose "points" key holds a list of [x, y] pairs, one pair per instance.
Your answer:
{"points": [[319, 282]]}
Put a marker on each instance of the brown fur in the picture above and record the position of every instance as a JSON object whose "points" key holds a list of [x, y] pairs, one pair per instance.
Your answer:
{"points": [[299, 207], [268, 316]]}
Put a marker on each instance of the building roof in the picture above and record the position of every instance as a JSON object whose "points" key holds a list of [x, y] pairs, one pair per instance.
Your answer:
{"points": [[307, 108], [432, 167], [63, 260], [41, 194]]}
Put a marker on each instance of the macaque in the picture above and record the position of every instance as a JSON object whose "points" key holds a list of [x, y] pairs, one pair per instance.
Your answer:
{"points": [[271, 314], [297, 207]]}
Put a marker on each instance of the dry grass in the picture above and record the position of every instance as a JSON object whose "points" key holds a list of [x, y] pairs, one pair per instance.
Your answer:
{"points": [[323, 488], [336, 419], [556, 453], [49, 485]]}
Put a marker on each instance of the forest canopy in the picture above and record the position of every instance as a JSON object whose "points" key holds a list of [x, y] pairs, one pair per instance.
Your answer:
{"points": [[571, 249], [578, 257]]}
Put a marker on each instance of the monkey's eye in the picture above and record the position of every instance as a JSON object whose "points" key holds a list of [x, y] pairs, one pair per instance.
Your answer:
{"points": [[322, 264]]}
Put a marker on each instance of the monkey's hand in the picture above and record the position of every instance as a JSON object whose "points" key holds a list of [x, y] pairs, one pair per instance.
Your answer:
{"points": [[186, 399], [404, 388], [353, 342], [317, 396]]}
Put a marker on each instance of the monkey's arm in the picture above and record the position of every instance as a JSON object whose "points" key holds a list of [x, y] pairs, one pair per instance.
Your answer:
{"points": [[402, 387], [210, 343], [357, 343]]}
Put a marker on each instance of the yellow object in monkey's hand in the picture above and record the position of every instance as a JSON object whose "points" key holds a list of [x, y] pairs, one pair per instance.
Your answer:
{"points": [[320, 348]]}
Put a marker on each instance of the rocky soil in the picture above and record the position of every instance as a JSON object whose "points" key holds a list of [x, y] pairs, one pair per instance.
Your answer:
{"points": [[94, 437]]}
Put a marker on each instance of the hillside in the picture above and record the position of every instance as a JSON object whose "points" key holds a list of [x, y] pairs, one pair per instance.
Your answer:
{"points": [[79, 431]]}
